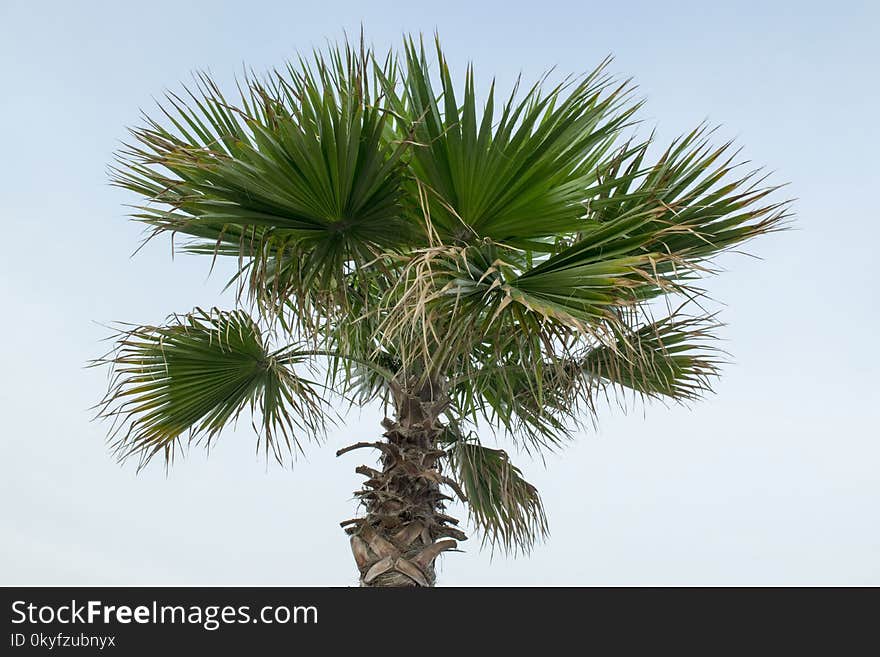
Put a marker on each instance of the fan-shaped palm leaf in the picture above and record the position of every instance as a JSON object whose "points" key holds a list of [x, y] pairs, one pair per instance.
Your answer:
{"points": [[197, 374]]}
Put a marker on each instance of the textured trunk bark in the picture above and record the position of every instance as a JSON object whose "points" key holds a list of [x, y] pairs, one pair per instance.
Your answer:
{"points": [[404, 528]]}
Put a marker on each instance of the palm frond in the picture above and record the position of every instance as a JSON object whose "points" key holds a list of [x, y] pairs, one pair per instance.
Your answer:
{"points": [[539, 403], [196, 375], [669, 217], [505, 507], [297, 178], [537, 406], [516, 178], [670, 358]]}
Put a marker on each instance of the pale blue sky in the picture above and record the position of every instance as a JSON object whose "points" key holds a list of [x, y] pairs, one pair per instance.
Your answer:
{"points": [[772, 480]]}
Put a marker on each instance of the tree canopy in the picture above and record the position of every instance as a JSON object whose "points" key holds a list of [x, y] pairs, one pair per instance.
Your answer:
{"points": [[388, 224]]}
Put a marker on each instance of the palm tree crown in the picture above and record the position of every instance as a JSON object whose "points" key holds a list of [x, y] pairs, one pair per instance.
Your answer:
{"points": [[480, 267]]}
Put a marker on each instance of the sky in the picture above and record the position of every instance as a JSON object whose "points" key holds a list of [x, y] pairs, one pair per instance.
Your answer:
{"points": [[772, 480]]}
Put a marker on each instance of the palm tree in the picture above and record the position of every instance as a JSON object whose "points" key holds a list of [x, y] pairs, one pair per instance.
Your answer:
{"points": [[478, 269]]}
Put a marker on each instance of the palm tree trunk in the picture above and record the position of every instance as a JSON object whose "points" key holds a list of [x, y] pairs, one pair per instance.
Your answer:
{"points": [[404, 528]]}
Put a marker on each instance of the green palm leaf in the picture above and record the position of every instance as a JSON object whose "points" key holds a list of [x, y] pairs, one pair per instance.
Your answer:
{"points": [[668, 358], [504, 506], [675, 214], [517, 177], [299, 177], [196, 375]]}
